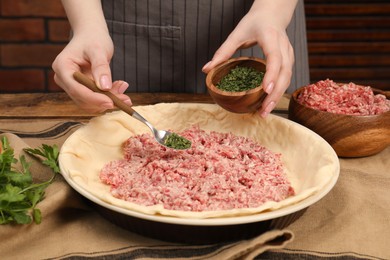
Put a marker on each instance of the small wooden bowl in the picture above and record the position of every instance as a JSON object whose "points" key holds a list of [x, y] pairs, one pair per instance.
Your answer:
{"points": [[236, 102], [349, 135]]}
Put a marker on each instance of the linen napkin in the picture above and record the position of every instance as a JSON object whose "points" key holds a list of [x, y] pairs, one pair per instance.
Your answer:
{"points": [[353, 220], [70, 228]]}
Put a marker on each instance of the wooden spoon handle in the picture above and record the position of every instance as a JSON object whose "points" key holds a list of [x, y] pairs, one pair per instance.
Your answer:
{"points": [[89, 83]]}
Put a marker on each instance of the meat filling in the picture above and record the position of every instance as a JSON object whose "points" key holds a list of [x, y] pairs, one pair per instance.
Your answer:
{"points": [[221, 171], [348, 99]]}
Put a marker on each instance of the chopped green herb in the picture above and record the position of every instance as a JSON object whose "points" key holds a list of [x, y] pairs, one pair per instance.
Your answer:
{"points": [[19, 195], [241, 79], [176, 141]]}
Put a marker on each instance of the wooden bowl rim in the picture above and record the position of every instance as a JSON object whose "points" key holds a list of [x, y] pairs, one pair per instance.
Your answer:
{"points": [[213, 88], [295, 94]]}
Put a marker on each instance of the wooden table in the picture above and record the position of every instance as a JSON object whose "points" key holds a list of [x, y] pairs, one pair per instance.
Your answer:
{"points": [[59, 105]]}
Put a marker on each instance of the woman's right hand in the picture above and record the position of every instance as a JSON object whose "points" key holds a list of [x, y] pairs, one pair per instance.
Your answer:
{"points": [[91, 55], [89, 51]]}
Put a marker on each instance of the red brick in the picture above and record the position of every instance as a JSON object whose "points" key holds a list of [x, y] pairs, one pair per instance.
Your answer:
{"points": [[59, 30], [45, 8], [24, 80], [22, 30], [15, 55], [52, 85]]}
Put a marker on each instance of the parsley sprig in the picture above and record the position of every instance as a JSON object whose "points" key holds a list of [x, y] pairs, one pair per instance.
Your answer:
{"points": [[19, 195]]}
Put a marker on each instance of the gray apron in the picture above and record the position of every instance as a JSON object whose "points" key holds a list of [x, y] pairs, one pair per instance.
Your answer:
{"points": [[162, 45]]}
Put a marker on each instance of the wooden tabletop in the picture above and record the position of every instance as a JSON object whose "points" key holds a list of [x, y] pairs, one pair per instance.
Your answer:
{"points": [[60, 105]]}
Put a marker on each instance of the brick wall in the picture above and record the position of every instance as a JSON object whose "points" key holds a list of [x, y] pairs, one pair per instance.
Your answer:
{"points": [[349, 40], [32, 33]]}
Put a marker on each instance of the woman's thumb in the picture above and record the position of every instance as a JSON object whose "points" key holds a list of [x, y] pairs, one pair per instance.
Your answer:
{"points": [[225, 51], [101, 72]]}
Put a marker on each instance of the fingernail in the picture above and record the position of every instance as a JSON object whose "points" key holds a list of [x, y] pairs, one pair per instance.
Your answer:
{"points": [[268, 109], [105, 83], [123, 87], [205, 66], [269, 88]]}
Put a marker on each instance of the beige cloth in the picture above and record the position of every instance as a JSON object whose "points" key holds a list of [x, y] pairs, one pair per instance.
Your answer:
{"points": [[70, 228], [354, 218], [352, 221]]}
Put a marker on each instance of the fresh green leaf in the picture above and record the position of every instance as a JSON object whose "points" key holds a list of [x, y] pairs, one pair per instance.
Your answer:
{"points": [[37, 216], [11, 194], [19, 206], [50, 153], [6, 156], [16, 178], [36, 194], [22, 218]]}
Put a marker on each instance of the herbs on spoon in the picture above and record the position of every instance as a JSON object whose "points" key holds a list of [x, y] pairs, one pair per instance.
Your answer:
{"points": [[176, 141]]}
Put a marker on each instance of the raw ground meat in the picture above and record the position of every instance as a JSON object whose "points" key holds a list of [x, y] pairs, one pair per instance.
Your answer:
{"points": [[221, 171], [348, 99]]}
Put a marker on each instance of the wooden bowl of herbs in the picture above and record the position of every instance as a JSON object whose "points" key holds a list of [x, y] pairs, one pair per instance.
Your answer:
{"points": [[236, 84]]}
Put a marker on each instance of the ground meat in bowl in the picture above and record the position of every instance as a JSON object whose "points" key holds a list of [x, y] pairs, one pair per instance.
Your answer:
{"points": [[347, 99], [221, 171]]}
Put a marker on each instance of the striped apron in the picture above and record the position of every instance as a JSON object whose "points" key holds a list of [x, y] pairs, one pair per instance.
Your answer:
{"points": [[161, 45]]}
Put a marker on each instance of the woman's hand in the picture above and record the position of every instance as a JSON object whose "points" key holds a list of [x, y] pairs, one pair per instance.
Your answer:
{"points": [[89, 51], [265, 24]]}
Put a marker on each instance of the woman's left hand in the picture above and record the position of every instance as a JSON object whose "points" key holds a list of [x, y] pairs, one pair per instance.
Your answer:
{"points": [[265, 24]]}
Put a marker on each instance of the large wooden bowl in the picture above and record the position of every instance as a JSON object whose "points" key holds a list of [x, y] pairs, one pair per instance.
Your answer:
{"points": [[236, 102], [349, 135]]}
